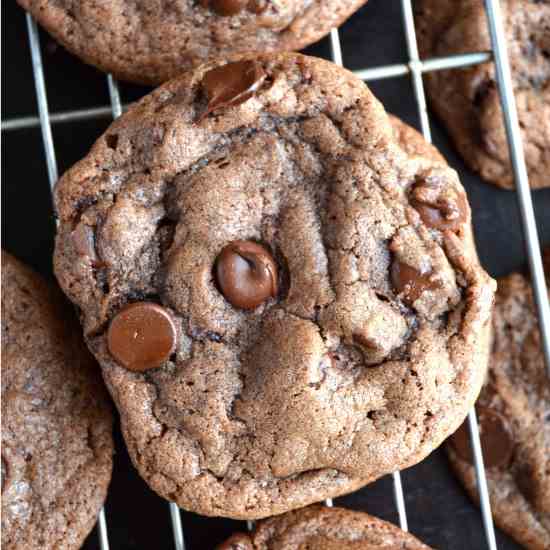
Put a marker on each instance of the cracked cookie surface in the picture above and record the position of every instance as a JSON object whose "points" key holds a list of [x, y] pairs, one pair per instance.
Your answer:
{"points": [[151, 41], [366, 353], [467, 100], [57, 441], [515, 405], [324, 528]]}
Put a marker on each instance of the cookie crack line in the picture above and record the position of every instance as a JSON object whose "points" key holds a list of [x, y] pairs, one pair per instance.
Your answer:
{"points": [[165, 428], [218, 149]]}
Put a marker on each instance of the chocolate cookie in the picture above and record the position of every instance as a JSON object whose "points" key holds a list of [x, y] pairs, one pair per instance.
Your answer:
{"points": [[57, 443], [513, 412], [322, 528], [467, 100], [302, 287], [151, 41]]}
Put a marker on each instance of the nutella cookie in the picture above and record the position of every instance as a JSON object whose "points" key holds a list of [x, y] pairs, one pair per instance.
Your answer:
{"points": [[151, 41], [514, 413], [467, 100], [57, 443], [322, 528], [284, 297]]}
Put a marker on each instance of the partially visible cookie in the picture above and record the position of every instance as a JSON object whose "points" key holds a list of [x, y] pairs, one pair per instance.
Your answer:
{"points": [[467, 100], [514, 418], [57, 443], [322, 528], [151, 41]]}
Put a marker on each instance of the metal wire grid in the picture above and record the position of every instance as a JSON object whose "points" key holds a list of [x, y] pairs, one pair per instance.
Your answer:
{"points": [[415, 68]]}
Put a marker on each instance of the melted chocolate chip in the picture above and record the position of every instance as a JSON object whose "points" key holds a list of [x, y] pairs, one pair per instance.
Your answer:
{"points": [[410, 283], [225, 7], [496, 439], [258, 6], [246, 274], [365, 341], [233, 7], [441, 209], [142, 336], [232, 84], [525, 479], [238, 541]]}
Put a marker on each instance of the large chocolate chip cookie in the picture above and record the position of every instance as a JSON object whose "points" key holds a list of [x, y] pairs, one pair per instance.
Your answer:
{"points": [[279, 282]]}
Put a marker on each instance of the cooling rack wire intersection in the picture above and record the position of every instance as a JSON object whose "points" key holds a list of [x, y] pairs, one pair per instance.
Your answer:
{"points": [[415, 68]]}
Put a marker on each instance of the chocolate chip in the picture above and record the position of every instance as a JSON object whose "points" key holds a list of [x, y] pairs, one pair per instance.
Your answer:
{"points": [[233, 7], [142, 336], [257, 6], [443, 209], [410, 283], [112, 141], [225, 7], [238, 541], [525, 479], [246, 274], [495, 435], [83, 241], [365, 341], [232, 84]]}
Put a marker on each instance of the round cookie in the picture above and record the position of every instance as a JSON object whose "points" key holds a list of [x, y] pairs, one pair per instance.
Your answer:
{"points": [[513, 411], [324, 528], [467, 100], [329, 319], [57, 441], [151, 41]]}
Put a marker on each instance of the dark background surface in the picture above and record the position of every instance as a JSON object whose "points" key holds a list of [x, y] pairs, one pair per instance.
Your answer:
{"points": [[438, 510]]}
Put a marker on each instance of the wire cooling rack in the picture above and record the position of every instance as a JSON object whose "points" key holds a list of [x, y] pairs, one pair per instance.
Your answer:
{"points": [[415, 68]]}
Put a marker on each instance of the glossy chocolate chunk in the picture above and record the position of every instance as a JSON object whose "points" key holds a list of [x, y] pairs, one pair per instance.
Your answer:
{"points": [[232, 84], [234, 7], [409, 282], [142, 336], [496, 439], [441, 209], [246, 274], [225, 7]]}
